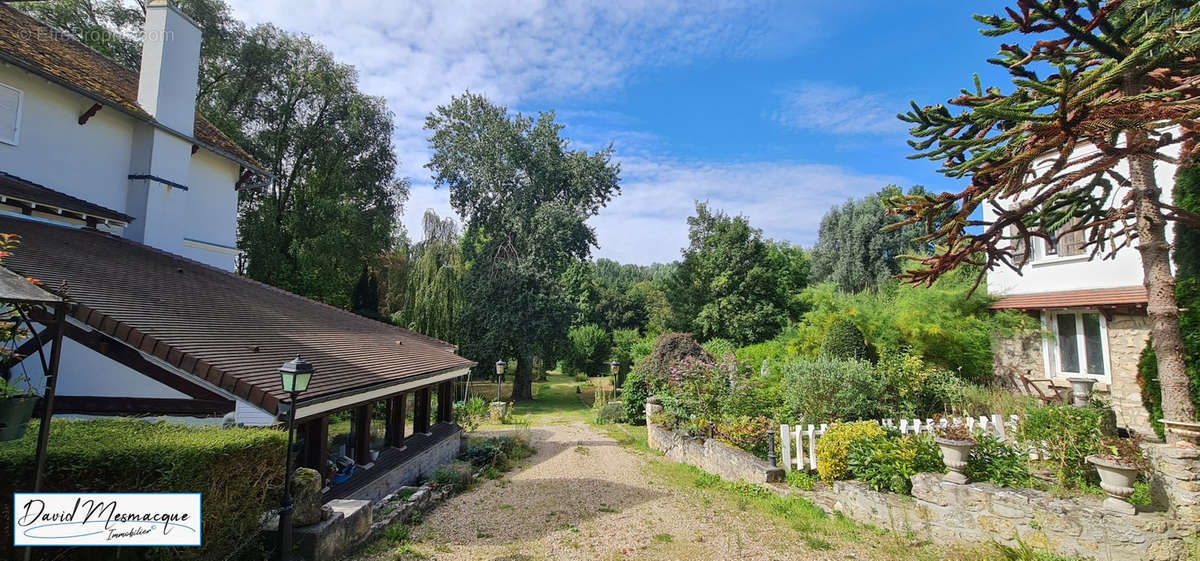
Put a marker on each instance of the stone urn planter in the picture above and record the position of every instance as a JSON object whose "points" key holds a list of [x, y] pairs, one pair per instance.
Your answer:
{"points": [[1179, 430], [498, 411], [15, 412], [1116, 478], [954, 454], [1081, 390]]}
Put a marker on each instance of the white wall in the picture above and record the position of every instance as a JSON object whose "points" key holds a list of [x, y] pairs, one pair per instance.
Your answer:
{"points": [[1049, 274], [211, 226], [90, 161]]}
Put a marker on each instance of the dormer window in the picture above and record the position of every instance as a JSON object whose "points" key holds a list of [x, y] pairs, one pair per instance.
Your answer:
{"points": [[10, 114]]}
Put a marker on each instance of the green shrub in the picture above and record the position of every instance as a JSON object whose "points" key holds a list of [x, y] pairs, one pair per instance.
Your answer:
{"points": [[887, 463], [455, 476], [238, 471], [844, 340], [720, 347], [609, 413], [747, 433], [669, 349], [588, 351], [826, 389], [834, 447], [801, 480], [915, 387], [995, 461], [635, 393], [1066, 435], [470, 414], [483, 454]]}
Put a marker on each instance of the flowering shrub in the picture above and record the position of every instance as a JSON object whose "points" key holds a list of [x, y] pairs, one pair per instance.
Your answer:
{"points": [[747, 433]]}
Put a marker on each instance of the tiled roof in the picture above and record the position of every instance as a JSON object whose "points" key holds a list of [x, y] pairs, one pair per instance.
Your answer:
{"points": [[13, 187], [1126, 295], [41, 49], [231, 331]]}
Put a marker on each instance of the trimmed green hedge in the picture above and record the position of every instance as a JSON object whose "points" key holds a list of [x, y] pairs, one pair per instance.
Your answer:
{"points": [[239, 473]]}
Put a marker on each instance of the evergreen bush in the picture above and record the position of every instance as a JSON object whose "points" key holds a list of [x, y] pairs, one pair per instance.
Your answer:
{"points": [[833, 448], [238, 471], [633, 395], [844, 340]]}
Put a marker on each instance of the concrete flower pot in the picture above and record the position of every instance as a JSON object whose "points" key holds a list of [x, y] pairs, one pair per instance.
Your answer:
{"points": [[498, 411], [954, 455], [1081, 390], [1117, 480]]}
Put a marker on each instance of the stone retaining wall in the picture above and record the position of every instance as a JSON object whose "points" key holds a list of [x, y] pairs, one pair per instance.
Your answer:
{"points": [[709, 454], [982, 512]]}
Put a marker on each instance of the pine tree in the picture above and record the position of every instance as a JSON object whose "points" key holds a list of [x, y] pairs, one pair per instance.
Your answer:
{"points": [[1106, 89]]}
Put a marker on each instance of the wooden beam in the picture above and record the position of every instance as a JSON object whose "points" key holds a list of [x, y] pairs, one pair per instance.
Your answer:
{"points": [[130, 357], [421, 399], [92, 405], [91, 112], [445, 409], [316, 444], [362, 434], [397, 417]]}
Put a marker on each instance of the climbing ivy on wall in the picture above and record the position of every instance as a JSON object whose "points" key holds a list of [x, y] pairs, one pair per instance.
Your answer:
{"points": [[1187, 291]]}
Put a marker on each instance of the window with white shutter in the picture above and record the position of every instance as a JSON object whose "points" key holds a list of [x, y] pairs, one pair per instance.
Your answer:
{"points": [[10, 114]]}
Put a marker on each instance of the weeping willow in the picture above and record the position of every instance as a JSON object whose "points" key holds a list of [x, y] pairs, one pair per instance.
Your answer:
{"points": [[425, 282]]}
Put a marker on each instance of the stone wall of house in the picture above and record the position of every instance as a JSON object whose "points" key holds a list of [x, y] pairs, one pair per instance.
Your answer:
{"points": [[982, 512], [1127, 335], [413, 470]]}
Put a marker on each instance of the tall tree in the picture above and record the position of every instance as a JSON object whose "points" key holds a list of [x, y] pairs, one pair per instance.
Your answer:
{"points": [[855, 250], [1106, 89], [525, 197], [730, 283], [427, 295]]}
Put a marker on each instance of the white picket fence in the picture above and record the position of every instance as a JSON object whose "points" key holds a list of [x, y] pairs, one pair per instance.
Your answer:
{"points": [[798, 445]]}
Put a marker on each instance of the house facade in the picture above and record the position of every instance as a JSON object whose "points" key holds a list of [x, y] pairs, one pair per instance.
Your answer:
{"points": [[126, 201], [1092, 313]]}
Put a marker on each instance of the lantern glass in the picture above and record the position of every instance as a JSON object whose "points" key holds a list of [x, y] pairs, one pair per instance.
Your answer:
{"points": [[616, 367], [500, 364], [294, 382]]}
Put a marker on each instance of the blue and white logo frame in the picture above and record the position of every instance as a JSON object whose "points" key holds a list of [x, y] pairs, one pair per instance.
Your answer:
{"points": [[107, 519]]}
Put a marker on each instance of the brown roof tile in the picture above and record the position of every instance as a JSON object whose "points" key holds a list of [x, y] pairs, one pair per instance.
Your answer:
{"points": [[227, 329], [14, 187], [1126, 295], [43, 50]]}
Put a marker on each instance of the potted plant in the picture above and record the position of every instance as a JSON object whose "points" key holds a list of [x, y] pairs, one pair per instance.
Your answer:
{"points": [[16, 408], [956, 443], [1119, 462]]}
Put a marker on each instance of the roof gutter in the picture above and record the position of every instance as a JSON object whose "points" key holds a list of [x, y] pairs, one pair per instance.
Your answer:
{"points": [[143, 118]]}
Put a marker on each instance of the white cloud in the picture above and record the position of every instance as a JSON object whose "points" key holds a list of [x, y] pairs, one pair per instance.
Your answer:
{"points": [[839, 110], [648, 222]]}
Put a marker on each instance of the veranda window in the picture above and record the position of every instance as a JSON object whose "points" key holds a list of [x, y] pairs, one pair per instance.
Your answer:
{"points": [[1080, 345]]}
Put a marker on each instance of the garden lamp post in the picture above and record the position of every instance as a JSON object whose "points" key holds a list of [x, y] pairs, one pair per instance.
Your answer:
{"points": [[615, 368], [500, 365], [295, 375]]}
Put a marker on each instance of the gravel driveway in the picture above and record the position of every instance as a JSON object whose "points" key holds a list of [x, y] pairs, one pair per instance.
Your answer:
{"points": [[582, 496]]}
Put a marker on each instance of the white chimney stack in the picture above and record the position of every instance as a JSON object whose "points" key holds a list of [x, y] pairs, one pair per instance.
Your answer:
{"points": [[170, 66]]}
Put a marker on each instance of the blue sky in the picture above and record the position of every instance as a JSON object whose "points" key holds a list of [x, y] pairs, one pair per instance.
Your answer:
{"points": [[775, 110]]}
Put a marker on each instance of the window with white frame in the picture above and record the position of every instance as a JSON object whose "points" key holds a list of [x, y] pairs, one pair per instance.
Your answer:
{"points": [[1078, 345], [10, 114]]}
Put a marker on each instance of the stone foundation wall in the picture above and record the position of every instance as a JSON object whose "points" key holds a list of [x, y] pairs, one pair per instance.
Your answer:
{"points": [[709, 454], [1127, 335], [413, 470]]}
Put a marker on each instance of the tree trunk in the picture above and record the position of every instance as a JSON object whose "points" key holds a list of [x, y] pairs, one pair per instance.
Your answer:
{"points": [[522, 389], [1160, 289]]}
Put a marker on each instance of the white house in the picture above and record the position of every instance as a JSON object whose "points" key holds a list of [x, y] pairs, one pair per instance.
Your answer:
{"points": [[1092, 312], [123, 193]]}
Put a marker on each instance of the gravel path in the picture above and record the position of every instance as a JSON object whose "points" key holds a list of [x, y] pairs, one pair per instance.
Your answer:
{"points": [[582, 496]]}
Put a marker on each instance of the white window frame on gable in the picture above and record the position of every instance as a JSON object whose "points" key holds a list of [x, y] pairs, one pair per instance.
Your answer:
{"points": [[1069, 343], [13, 136]]}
